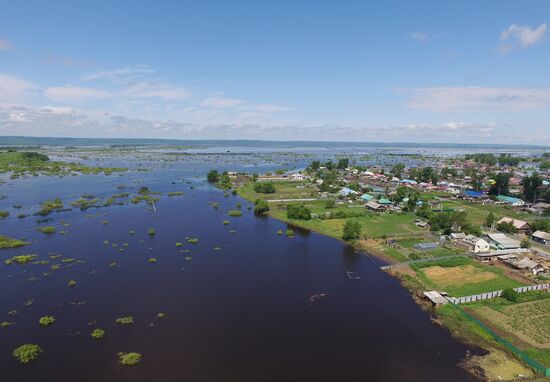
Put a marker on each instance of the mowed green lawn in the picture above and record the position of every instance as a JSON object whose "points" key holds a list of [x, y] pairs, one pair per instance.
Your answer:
{"points": [[283, 190], [373, 226], [463, 277]]}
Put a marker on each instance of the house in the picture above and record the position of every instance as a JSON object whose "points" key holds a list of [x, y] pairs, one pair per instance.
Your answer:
{"points": [[437, 298], [457, 236], [510, 200], [520, 225], [298, 177], [476, 244], [501, 241], [540, 207], [373, 206], [528, 264], [474, 194], [367, 197], [385, 202], [422, 224], [541, 237], [347, 191]]}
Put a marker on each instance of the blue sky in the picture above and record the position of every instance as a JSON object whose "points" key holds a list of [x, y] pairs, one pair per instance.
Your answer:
{"points": [[409, 71]]}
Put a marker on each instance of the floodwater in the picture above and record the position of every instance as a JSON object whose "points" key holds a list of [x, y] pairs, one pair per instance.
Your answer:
{"points": [[240, 313]]}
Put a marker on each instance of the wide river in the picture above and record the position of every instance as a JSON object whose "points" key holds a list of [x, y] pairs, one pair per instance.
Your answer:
{"points": [[238, 304]]}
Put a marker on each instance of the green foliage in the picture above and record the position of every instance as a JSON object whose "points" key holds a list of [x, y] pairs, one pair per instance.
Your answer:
{"points": [[152, 260], [507, 227], [20, 259], [8, 242], [330, 204], [49, 206], [161, 315], [71, 283], [192, 240], [27, 353], [98, 333], [298, 211], [126, 320], [175, 193], [490, 219], [264, 187], [4, 214], [6, 324], [289, 233], [352, 230], [151, 232], [501, 186], [445, 263], [530, 186], [235, 213], [46, 320], [525, 243], [489, 159], [213, 176], [260, 206], [510, 294], [343, 163], [129, 359], [48, 229]]}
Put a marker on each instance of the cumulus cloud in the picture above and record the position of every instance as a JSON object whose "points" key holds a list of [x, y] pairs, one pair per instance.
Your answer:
{"points": [[13, 88], [5, 44], [64, 121], [477, 99], [521, 36]]}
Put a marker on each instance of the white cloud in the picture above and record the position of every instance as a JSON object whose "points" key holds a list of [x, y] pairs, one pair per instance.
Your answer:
{"points": [[163, 91], [419, 36], [55, 121], [69, 93], [477, 99], [221, 102], [13, 88], [5, 44], [524, 35]]}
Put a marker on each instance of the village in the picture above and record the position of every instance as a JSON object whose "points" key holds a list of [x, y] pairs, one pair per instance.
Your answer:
{"points": [[472, 231]]}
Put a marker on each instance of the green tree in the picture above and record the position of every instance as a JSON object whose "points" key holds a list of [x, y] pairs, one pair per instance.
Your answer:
{"points": [[525, 243], [490, 220], [343, 163], [530, 186], [264, 187], [298, 211], [510, 294], [260, 206], [501, 186], [397, 170], [352, 230], [213, 176]]}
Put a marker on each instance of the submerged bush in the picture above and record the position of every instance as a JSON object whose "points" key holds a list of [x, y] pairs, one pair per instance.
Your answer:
{"points": [[98, 333], [235, 213], [27, 353], [48, 229], [151, 232], [71, 283], [128, 320], [46, 320], [129, 359]]}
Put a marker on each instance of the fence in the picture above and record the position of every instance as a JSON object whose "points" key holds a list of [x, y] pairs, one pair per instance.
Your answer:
{"points": [[537, 366], [496, 293]]}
